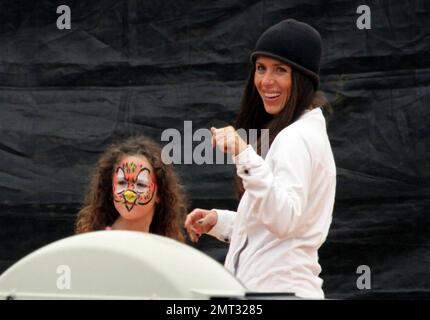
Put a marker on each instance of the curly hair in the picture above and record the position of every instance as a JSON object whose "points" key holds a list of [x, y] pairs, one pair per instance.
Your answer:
{"points": [[98, 210]]}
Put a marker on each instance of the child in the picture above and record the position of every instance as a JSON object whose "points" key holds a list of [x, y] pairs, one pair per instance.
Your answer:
{"points": [[132, 189]]}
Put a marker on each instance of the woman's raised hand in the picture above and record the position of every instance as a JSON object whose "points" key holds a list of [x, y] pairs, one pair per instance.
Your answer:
{"points": [[228, 140]]}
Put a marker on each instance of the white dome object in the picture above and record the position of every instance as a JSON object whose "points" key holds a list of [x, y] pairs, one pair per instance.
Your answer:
{"points": [[118, 265]]}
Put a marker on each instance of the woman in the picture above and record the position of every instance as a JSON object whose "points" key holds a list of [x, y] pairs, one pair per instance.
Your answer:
{"points": [[287, 198], [132, 189]]}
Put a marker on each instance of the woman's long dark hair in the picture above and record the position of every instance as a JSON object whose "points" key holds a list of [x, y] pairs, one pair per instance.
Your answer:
{"points": [[252, 114]]}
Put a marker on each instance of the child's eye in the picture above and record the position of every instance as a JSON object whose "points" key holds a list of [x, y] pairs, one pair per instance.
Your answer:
{"points": [[142, 185], [121, 183]]}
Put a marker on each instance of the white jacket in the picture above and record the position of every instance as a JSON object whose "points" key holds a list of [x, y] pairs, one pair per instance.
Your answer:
{"points": [[285, 213]]}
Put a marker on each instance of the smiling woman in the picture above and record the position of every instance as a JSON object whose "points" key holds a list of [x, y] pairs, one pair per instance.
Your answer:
{"points": [[273, 82], [132, 189], [287, 194]]}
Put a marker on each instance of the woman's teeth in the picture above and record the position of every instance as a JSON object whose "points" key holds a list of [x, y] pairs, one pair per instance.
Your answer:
{"points": [[271, 95]]}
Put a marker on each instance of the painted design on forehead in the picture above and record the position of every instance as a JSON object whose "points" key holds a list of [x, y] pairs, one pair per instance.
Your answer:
{"points": [[130, 167], [133, 185]]}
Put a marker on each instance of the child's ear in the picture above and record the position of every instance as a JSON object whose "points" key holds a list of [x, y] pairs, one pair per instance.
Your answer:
{"points": [[157, 199]]}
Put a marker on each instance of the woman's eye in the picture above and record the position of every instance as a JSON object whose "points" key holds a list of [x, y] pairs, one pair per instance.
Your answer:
{"points": [[260, 68], [281, 70]]}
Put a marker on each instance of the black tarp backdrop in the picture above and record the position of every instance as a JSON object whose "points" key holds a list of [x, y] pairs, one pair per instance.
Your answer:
{"points": [[129, 67]]}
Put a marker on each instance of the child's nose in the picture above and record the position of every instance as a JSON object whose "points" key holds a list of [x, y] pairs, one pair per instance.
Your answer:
{"points": [[130, 196]]}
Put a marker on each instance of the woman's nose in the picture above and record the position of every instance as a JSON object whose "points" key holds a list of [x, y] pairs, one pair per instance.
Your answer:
{"points": [[267, 79]]}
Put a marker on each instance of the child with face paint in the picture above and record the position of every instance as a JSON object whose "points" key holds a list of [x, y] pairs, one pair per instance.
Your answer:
{"points": [[132, 189]]}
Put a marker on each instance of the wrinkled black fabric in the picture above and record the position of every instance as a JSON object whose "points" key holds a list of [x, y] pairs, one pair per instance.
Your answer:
{"points": [[129, 67]]}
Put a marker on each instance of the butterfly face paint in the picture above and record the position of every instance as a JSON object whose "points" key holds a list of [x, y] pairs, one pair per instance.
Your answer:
{"points": [[134, 187]]}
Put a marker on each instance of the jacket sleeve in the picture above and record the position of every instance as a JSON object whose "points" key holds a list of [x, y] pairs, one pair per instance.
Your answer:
{"points": [[224, 226], [279, 193]]}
